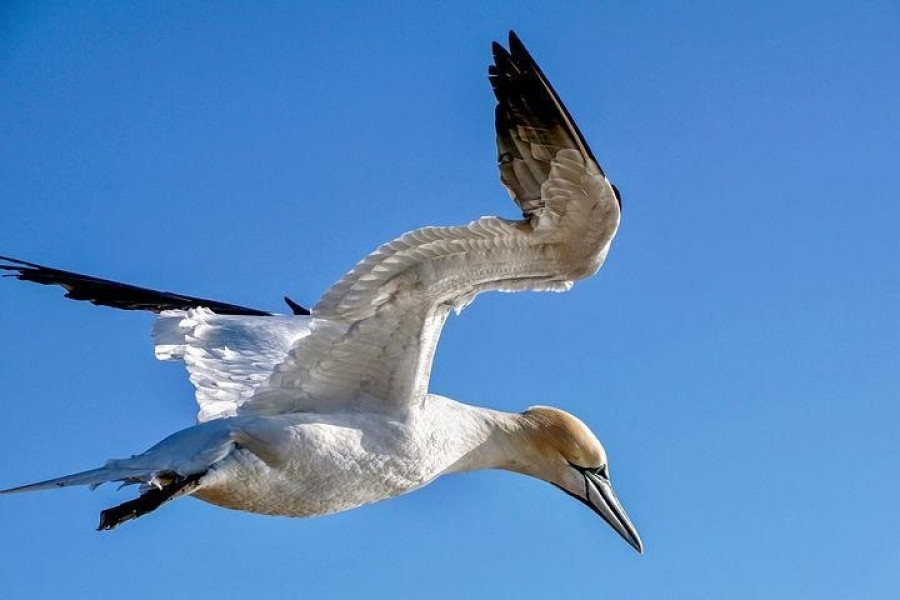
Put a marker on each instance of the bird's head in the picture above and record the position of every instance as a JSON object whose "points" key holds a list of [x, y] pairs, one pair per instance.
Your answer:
{"points": [[561, 450]]}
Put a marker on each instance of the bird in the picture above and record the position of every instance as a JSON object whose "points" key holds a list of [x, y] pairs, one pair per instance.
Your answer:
{"points": [[328, 409]]}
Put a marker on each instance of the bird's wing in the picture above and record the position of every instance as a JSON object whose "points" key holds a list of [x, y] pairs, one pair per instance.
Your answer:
{"points": [[227, 356], [104, 292], [374, 333]]}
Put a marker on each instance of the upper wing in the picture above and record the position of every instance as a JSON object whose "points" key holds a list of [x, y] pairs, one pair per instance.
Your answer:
{"points": [[104, 292], [374, 333]]}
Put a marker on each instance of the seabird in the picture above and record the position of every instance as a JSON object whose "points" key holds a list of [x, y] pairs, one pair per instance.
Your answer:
{"points": [[328, 409]]}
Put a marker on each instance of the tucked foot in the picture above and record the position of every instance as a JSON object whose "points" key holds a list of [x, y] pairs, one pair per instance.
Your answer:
{"points": [[147, 502]]}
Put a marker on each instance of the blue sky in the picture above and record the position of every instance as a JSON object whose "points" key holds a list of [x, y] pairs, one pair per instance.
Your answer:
{"points": [[738, 354]]}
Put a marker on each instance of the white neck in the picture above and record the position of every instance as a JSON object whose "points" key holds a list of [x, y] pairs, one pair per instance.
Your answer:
{"points": [[485, 438]]}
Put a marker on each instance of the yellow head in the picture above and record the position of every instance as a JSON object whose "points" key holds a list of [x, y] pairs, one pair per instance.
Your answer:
{"points": [[561, 450]]}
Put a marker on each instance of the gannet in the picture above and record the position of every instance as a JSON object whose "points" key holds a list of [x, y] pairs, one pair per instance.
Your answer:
{"points": [[328, 409]]}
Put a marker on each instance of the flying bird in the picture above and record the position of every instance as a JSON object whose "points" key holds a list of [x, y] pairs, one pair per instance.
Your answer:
{"points": [[328, 409]]}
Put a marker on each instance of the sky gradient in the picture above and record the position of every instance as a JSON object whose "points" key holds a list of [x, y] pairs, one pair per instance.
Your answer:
{"points": [[738, 353]]}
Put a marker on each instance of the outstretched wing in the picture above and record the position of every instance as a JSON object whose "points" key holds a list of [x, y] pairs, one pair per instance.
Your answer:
{"points": [[104, 292], [374, 333]]}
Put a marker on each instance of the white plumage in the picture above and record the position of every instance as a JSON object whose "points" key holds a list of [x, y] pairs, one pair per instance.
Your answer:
{"points": [[227, 357]]}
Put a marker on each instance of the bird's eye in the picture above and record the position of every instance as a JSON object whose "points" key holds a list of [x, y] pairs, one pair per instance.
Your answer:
{"points": [[603, 471]]}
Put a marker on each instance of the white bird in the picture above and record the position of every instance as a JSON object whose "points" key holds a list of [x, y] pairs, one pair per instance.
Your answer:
{"points": [[316, 413]]}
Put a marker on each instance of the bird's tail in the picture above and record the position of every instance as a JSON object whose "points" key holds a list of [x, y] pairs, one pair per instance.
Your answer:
{"points": [[186, 452], [172, 468], [93, 478]]}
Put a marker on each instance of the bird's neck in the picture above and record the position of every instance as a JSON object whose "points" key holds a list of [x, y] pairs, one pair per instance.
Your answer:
{"points": [[489, 439]]}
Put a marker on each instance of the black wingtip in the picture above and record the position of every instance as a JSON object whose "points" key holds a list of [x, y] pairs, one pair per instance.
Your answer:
{"points": [[296, 308], [520, 53], [499, 51], [515, 44], [16, 261], [105, 292], [518, 64]]}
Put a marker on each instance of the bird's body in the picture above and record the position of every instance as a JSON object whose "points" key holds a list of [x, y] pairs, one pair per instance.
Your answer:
{"points": [[330, 409], [305, 464]]}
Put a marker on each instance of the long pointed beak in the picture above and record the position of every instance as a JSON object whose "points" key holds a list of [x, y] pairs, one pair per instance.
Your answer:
{"points": [[600, 496]]}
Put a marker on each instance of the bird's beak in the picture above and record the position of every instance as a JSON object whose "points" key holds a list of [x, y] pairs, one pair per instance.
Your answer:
{"points": [[600, 497]]}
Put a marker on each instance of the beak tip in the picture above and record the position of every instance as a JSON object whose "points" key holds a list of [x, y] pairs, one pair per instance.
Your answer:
{"points": [[639, 546], [634, 540]]}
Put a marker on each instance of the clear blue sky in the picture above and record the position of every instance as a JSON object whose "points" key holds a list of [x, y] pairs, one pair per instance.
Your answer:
{"points": [[738, 354]]}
